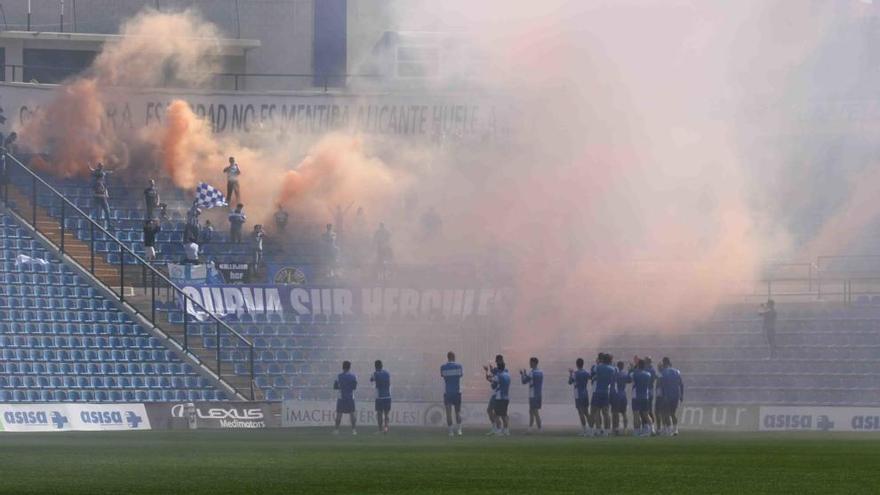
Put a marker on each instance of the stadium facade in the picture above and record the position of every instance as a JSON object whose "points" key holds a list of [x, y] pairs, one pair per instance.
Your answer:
{"points": [[266, 44]]}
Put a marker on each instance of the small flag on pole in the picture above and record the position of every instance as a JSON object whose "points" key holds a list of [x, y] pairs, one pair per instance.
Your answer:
{"points": [[208, 196]]}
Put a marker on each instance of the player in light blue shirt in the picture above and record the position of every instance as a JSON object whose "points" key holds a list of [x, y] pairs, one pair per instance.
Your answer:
{"points": [[672, 387], [580, 379], [603, 381], [642, 382], [618, 400], [501, 392], [382, 379], [345, 384], [652, 402], [452, 373], [491, 370], [535, 379]]}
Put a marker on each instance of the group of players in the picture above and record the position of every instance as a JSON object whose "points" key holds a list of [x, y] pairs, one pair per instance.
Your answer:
{"points": [[657, 394]]}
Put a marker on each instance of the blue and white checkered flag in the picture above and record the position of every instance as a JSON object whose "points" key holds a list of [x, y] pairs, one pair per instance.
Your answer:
{"points": [[208, 196]]}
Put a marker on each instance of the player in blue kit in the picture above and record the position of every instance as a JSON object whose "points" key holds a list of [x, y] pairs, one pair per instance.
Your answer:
{"points": [[491, 370], [652, 411], [673, 394], [580, 379], [642, 382], [535, 379], [604, 380], [501, 392], [382, 379], [618, 399], [345, 383], [452, 373]]}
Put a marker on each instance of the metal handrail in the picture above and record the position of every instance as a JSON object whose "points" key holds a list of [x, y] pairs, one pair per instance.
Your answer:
{"points": [[123, 250]]}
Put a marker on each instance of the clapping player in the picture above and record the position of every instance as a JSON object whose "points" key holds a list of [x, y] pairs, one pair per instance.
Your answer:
{"points": [[345, 383], [452, 373], [580, 379], [382, 379], [535, 379]]}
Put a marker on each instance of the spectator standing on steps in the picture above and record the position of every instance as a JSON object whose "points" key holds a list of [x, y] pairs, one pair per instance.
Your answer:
{"points": [[236, 220], [8, 144], [768, 314], [331, 250], [384, 254], [151, 229], [232, 172], [258, 244], [191, 229], [151, 199], [207, 232], [281, 217], [99, 173], [102, 204], [190, 253]]}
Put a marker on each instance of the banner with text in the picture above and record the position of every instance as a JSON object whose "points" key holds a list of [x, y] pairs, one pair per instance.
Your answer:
{"points": [[314, 413], [809, 418], [212, 415], [73, 417], [389, 302], [462, 117]]}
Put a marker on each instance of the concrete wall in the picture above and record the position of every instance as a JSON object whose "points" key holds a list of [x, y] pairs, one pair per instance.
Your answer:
{"points": [[284, 27]]}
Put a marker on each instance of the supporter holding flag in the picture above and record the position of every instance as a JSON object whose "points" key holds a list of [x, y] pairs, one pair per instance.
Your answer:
{"points": [[452, 373], [345, 384], [232, 172], [236, 221], [151, 199], [579, 378], [382, 379], [535, 380]]}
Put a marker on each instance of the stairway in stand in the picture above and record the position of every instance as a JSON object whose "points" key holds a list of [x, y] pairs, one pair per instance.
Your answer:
{"points": [[133, 284]]}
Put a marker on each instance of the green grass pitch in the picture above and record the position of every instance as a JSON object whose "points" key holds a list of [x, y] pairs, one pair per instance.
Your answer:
{"points": [[425, 462]]}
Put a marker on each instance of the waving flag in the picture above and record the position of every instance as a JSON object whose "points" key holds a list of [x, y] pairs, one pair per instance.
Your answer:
{"points": [[208, 196]]}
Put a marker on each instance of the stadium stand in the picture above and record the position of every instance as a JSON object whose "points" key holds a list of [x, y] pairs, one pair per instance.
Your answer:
{"points": [[61, 341], [293, 359], [827, 352]]}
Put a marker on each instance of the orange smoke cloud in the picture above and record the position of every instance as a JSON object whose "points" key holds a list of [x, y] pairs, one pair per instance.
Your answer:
{"points": [[155, 49], [338, 171], [72, 127], [184, 146]]}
